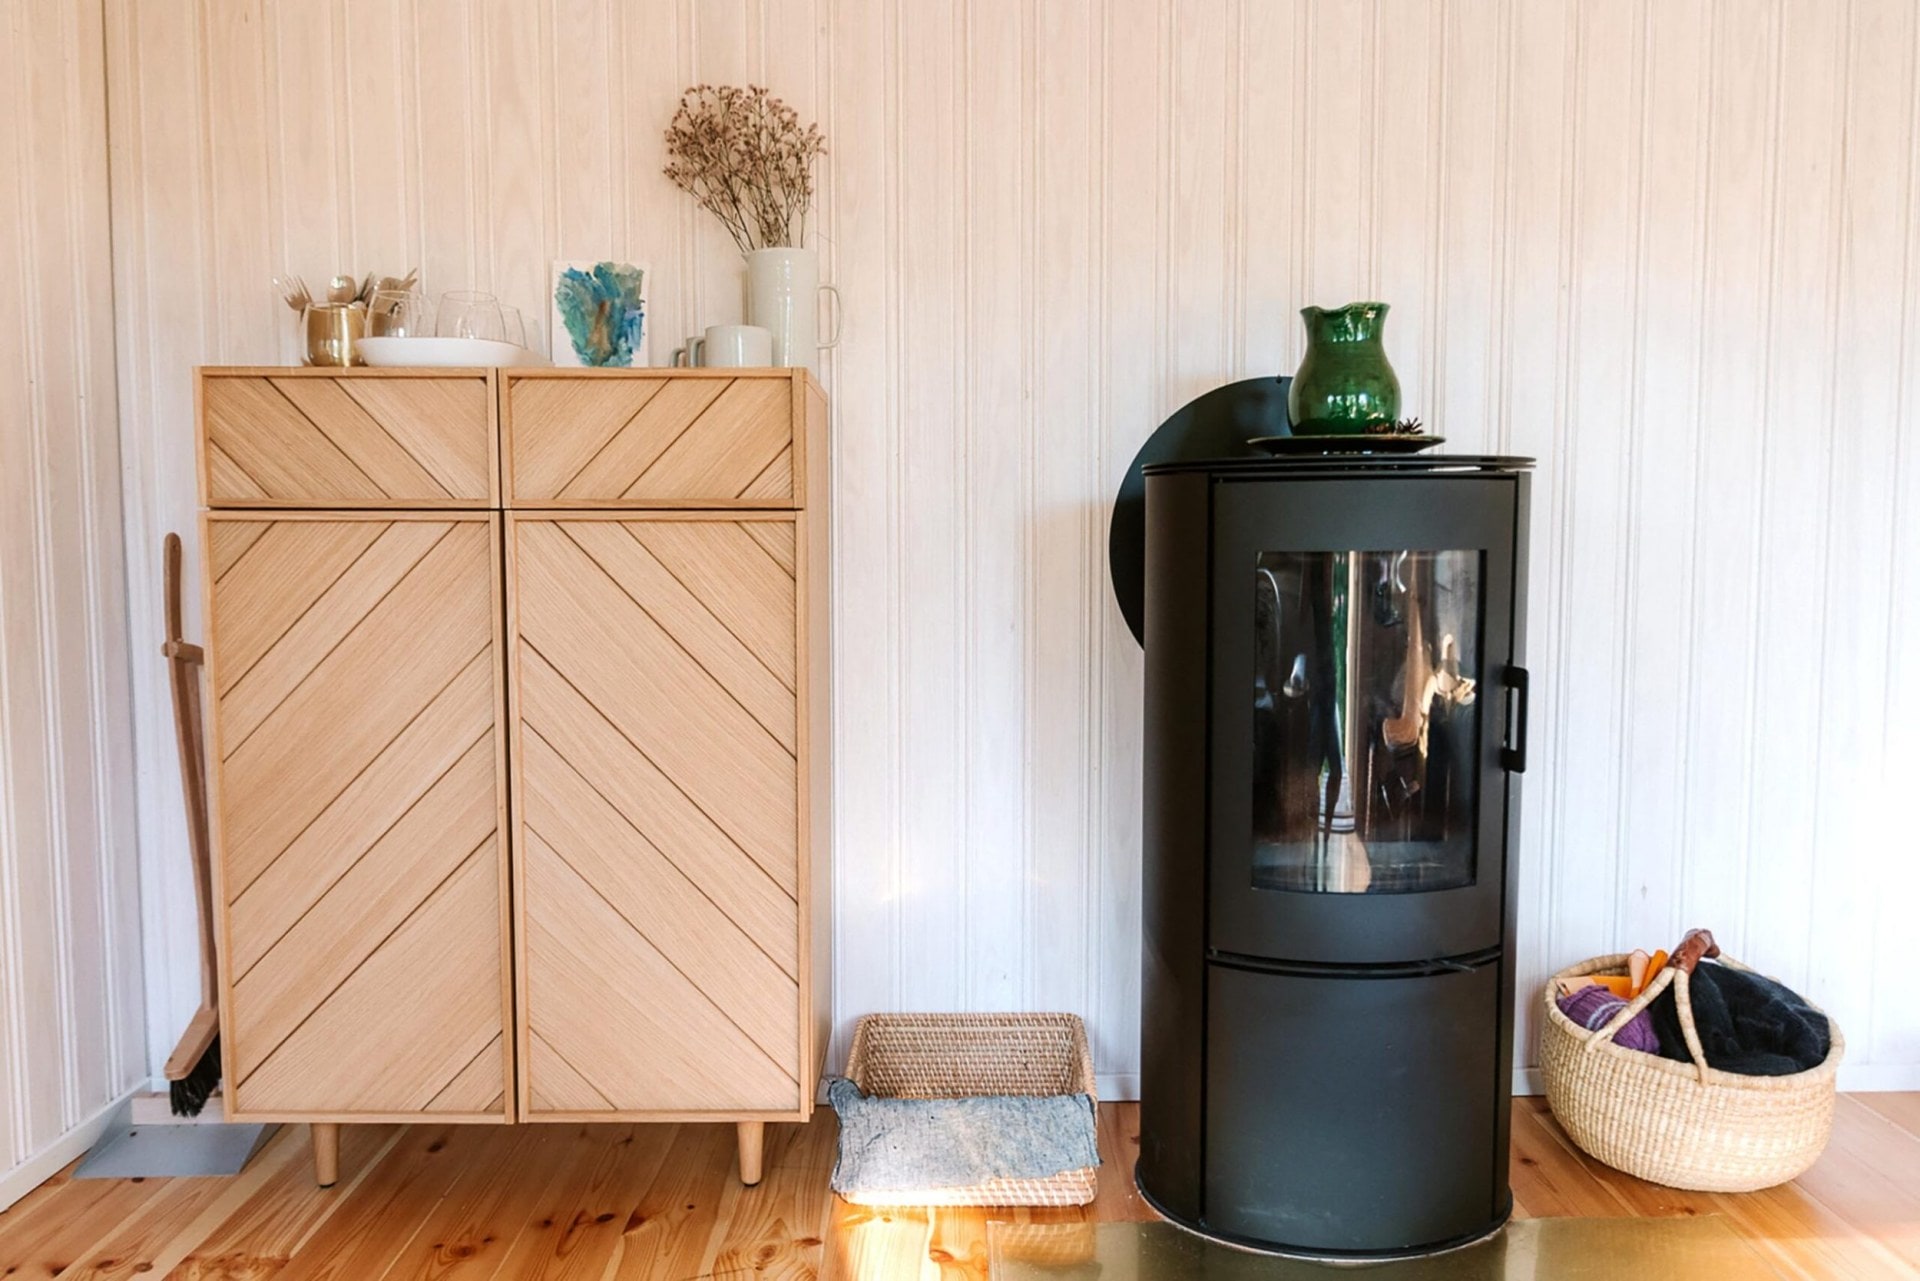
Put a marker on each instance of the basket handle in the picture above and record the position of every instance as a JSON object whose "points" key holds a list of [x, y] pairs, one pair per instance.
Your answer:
{"points": [[1678, 970]]}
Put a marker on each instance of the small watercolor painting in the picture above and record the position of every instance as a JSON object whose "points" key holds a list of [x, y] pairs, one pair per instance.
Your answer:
{"points": [[600, 314]]}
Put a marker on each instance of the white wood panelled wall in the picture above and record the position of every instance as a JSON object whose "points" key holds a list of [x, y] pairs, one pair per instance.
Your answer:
{"points": [[1667, 246], [72, 1040]]}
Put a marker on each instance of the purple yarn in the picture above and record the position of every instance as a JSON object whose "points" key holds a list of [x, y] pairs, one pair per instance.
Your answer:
{"points": [[1594, 1007]]}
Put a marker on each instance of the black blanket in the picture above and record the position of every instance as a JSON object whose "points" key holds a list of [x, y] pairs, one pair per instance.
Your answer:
{"points": [[1747, 1023]]}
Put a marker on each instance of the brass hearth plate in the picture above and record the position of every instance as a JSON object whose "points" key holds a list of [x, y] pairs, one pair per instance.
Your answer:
{"points": [[1533, 1249]]}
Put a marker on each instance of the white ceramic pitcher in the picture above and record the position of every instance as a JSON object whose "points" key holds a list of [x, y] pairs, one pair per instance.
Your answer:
{"points": [[783, 296]]}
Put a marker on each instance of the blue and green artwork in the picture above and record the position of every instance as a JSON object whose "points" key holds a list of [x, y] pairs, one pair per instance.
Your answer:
{"points": [[603, 312]]}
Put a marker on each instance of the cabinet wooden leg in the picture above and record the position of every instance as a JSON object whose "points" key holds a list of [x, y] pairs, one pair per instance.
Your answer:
{"points": [[326, 1153], [753, 1138]]}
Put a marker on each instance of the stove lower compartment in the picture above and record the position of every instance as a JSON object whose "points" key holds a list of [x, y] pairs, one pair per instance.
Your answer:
{"points": [[1350, 1112]]}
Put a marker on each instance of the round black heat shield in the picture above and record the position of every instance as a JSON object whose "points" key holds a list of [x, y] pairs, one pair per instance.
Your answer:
{"points": [[1216, 425]]}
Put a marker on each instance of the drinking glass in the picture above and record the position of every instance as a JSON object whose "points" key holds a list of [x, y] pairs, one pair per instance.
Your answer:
{"points": [[399, 313], [513, 326], [466, 313]]}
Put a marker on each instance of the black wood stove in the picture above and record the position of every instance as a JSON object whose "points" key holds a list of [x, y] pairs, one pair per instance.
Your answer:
{"points": [[1334, 715]]}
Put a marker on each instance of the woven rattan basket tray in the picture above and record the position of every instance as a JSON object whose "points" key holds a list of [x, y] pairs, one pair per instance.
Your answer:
{"points": [[1682, 1124], [954, 1056]]}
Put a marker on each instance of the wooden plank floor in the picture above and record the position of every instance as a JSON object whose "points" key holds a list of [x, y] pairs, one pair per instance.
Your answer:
{"points": [[468, 1203]]}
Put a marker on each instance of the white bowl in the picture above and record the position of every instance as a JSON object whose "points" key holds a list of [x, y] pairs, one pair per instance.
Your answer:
{"points": [[445, 353]]}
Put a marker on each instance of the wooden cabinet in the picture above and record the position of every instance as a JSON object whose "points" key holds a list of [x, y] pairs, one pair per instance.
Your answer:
{"points": [[633, 636], [331, 438], [657, 438], [656, 802], [355, 665]]}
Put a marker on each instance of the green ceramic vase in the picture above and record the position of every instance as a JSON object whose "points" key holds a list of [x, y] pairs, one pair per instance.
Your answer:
{"points": [[1345, 384]]}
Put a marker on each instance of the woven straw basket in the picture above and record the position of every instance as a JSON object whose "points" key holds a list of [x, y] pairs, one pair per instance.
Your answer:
{"points": [[1682, 1124], [953, 1056]]}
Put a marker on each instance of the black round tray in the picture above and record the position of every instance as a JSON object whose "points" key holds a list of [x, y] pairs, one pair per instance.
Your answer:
{"points": [[1371, 443]]}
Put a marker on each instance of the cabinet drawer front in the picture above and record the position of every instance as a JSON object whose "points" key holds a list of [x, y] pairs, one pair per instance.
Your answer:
{"points": [[686, 439], [357, 740], [657, 804], [347, 438]]}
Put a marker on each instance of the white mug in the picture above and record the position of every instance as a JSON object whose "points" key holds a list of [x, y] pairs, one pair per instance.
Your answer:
{"points": [[727, 347], [736, 347]]}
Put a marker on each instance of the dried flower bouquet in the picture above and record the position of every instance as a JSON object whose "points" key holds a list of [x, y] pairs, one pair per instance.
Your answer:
{"points": [[745, 156]]}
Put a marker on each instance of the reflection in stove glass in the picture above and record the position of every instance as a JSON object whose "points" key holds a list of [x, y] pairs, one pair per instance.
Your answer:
{"points": [[1365, 727]]}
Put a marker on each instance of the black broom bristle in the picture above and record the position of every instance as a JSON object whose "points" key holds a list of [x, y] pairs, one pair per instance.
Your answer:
{"points": [[190, 1093]]}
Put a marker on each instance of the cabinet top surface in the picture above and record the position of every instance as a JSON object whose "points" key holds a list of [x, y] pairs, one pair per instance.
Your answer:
{"points": [[514, 374]]}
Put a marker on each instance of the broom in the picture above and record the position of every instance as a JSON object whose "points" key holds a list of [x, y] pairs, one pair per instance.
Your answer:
{"points": [[193, 1069]]}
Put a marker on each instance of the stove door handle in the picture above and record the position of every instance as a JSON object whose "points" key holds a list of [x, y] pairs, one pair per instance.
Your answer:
{"points": [[1513, 749]]}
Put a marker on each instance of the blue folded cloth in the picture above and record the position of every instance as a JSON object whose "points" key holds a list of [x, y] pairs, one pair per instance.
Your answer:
{"points": [[897, 1145]]}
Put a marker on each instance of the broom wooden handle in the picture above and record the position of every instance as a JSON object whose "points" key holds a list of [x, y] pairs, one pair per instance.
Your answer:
{"points": [[183, 667]]}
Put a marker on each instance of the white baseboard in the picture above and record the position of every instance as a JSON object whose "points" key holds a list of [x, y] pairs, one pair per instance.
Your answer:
{"points": [[48, 1161], [1873, 1078], [1120, 1087], [155, 1107]]}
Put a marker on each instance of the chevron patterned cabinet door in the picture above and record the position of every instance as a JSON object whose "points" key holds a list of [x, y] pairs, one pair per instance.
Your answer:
{"points": [[657, 774], [686, 438], [359, 802], [347, 438]]}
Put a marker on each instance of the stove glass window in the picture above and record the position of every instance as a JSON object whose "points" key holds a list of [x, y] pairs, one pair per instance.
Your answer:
{"points": [[1366, 687]]}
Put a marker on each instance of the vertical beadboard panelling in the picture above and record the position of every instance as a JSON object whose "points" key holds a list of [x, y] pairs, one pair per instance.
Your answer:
{"points": [[724, 47], [1742, 134], [244, 317], [1339, 183], [1200, 253], [1400, 210], [163, 225], [582, 52], [655, 223], [1464, 242], [449, 155], [1663, 428], [929, 474], [71, 1037], [1860, 576], [310, 149], [514, 104], [1792, 621], [861, 116], [1632, 240], [1893, 1037], [1268, 131], [27, 734], [1066, 586], [374, 47], [1130, 327], [108, 759], [1599, 344], [1528, 390], [995, 500]]}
